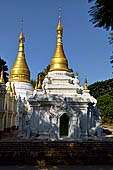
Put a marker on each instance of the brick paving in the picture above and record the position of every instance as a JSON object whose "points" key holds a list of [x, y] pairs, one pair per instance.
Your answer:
{"points": [[12, 137]]}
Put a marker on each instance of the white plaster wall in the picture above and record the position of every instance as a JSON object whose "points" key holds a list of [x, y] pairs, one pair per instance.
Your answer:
{"points": [[23, 89]]}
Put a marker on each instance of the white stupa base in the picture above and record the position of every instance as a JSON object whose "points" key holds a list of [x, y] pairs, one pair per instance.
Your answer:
{"points": [[23, 89], [61, 83]]}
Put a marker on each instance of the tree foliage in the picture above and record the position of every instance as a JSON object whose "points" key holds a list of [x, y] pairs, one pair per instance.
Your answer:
{"points": [[102, 13], [111, 38], [111, 42], [5, 69], [103, 92], [100, 88], [33, 82], [44, 73], [111, 59], [105, 104], [102, 16]]}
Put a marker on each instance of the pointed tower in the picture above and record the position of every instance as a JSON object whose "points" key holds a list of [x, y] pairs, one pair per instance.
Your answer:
{"points": [[59, 80], [86, 91], [85, 82], [2, 77], [59, 61], [14, 93], [39, 83], [20, 71], [20, 74], [9, 89]]}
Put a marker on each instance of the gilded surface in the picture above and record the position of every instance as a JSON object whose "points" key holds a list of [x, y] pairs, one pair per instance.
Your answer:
{"points": [[20, 71], [39, 83], [14, 92], [2, 77], [59, 61], [9, 87], [36, 87], [85, 86]]}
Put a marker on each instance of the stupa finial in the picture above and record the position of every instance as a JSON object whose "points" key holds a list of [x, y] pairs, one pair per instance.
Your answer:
{"points": [[59, 61], [85, 86], [2, 76], [20, 71], [22, 23]]}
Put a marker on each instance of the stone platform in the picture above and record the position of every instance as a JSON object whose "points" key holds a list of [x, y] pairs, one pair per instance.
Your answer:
{"points": [[56, 153]]}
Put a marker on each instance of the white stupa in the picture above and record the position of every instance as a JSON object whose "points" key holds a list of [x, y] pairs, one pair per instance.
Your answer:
{"points": [[20, 74], [62, 109]]}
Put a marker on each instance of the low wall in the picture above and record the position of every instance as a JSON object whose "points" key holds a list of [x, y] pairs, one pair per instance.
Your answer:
{"points": [[56, 153]]}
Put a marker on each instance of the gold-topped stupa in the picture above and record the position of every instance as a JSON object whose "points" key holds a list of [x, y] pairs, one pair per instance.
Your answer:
{"points": [[13, 90], [59, 61], [85, 86], [9, 89], [39, 83], [36, 87], [2, 77], [20, 71]]}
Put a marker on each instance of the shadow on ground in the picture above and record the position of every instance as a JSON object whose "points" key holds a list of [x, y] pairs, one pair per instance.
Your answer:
{"points": [[61, 167]]}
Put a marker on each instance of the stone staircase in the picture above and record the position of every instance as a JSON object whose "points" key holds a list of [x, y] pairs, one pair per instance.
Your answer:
{"points": [[56, 153]]}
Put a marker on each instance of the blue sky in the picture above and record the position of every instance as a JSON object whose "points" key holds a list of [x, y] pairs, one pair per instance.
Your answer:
{"points": [[86, 48]]}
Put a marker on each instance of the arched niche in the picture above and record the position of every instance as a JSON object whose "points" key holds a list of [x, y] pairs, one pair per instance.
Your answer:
{"points": [[64, 125]]}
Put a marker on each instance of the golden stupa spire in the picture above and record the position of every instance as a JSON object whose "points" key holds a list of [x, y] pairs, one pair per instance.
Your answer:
{"points": [[20, 71], [2, 77], [14, 92], [39, 83], [36, 87], [59, 61], [85, 86], [9, 89]]}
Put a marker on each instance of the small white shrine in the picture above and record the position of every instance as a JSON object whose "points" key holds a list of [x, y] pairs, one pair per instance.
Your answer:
{"points": [[62, 109]]}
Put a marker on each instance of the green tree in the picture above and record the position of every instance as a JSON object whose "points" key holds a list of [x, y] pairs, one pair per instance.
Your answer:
{"points": [[101, 88], [111, 42], [5, 69], [103, 92], [102, 13], [111, 38], [111, 60], [102, 16], [43, 73], [105, 104], [33, 82]]}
